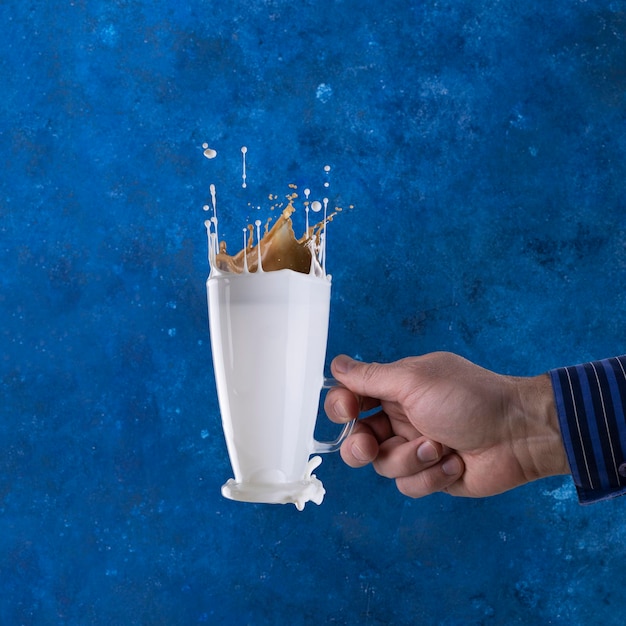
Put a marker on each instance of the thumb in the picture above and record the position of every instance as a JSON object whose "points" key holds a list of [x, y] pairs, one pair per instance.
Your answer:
{"points": [[374, 380]]}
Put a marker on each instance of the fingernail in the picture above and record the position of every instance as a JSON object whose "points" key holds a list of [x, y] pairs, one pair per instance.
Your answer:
{"points": [[451, 467], [358, 454], [339, 409], [343, 364], [427, 452]]}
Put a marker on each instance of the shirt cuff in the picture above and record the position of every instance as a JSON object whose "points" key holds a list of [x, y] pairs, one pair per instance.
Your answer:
{"points": [[590, 401]]}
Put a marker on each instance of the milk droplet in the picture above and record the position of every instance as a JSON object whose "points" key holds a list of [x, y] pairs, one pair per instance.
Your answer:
{"points": [[244, 151], [324, 235], [245, 250], [213, 199], [257, 223], [209, 153], [327, 170], [307, 193], [316, 206], [212, 224]]}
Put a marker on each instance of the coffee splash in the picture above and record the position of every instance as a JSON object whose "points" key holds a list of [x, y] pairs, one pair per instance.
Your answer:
{"points": [[279, 248]]}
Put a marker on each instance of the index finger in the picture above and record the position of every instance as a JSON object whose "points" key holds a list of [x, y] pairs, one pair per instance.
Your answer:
{"points": [[385, 381]]}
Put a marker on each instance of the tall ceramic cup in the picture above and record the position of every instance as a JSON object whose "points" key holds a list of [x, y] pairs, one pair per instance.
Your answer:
{"points": [[268, 339]]}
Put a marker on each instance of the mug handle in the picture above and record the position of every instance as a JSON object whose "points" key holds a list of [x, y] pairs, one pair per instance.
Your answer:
{"points": [[332, 446]]}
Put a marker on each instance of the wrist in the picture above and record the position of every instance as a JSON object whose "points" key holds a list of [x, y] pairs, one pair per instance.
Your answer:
{"points": [[539, 443]]}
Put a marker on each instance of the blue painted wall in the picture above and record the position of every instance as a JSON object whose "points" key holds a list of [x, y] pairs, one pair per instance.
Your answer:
{"points": [[482, 144]]}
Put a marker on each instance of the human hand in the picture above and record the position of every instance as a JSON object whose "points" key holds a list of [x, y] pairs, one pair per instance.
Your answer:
{"points": [[446, 424]]}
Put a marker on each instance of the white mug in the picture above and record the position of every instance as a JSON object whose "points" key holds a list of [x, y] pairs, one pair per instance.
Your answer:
{"points": [[268, 340]]}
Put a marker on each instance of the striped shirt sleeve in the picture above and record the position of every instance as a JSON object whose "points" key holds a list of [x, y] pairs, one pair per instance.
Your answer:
{"points": [[591, 400]]}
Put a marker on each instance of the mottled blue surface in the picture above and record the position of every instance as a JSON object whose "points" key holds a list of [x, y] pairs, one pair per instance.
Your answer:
{"points": [[483, 146]]}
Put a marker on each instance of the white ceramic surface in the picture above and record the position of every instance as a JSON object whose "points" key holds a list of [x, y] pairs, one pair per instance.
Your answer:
{"points": [[268, 338]]}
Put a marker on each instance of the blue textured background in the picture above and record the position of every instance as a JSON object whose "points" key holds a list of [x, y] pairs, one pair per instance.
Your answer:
{"points": [[483, 145]]}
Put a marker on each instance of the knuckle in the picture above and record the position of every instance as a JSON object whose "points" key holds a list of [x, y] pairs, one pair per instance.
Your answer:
{"points": [[371, 371], [383, 470], [409, 488], [423, 483]]}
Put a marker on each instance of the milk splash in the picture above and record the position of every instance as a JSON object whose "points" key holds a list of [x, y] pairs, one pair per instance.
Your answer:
{"points": [[278, 247]]}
